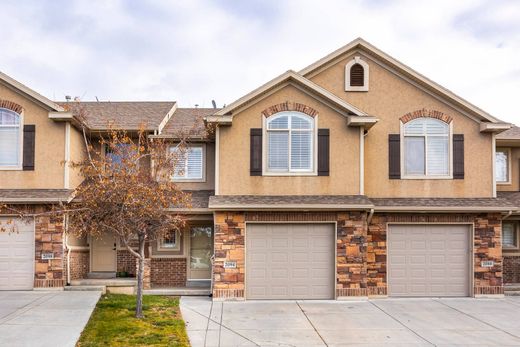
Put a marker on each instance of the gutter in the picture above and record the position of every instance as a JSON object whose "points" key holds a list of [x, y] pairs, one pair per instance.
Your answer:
{"points": [[443, 209], [289, 207]]}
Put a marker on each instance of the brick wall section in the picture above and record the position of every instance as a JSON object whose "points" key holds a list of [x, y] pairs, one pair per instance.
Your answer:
{"points": [[168, 272], [511, 269], [426, 113], [49, 239], [289, 106], [229, 246], [79, 264], [125, 262]]}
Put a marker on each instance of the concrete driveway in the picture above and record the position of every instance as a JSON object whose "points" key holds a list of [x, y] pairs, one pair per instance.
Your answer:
{"points": [[389, 322], [44, 318]]}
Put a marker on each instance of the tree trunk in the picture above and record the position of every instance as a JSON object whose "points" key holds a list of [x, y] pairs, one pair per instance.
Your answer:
{"points": [[140, 278]]}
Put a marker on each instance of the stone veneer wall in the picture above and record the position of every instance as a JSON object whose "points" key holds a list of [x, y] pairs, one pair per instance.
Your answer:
{"points": [[49, 239], [361, 249], [511, 269], [79, 264]]}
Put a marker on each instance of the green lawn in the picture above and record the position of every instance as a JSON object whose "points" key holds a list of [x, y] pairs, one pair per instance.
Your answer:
{"points": [[113, 324]]}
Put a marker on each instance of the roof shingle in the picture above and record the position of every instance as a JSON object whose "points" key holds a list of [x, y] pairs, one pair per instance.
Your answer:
{"points": [[187, 122], [127, 115]]}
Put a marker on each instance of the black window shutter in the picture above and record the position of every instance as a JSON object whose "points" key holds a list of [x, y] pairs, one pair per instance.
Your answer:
{"points": [[394, 156], [458, 156], [256, 152], [29, 132], [323, 152]]}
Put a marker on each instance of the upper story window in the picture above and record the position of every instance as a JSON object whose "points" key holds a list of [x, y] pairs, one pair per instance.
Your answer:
{"points": [[502, 165], [356, 75], [426, 148], [191, 165], [510, 235], [290, 143], [116, 155], [10, 139]]}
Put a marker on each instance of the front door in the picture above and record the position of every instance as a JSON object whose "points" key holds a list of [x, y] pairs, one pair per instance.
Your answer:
{"points": [[103, 250], [201, 250]]}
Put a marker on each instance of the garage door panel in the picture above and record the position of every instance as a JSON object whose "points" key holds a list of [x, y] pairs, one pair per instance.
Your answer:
{"points": [[302, 269], [428, 260]]}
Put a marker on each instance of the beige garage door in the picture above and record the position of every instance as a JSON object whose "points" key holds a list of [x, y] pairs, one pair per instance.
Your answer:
{"points": [[17, 256], [428, 260], [290, 261]]}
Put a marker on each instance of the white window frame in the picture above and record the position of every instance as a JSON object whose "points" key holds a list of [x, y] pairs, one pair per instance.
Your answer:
{"points": [[516, 236], [426, 176], [348, 66], [19, 165], [176, 247], [291, 172], [508, 152], [186, 179]]}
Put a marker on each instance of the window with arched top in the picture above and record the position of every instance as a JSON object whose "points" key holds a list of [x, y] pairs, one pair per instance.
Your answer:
{"points": [[10, 139], [426, 148], [290, 143], [356, 75]]}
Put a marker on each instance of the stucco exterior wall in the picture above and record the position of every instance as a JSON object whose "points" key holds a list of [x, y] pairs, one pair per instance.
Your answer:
{"points": [[77, 154], [234, 155], [49, 148], [391, 97]]}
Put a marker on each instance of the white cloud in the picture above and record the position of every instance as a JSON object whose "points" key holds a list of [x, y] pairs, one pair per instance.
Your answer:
{"points": [[195, 51]]}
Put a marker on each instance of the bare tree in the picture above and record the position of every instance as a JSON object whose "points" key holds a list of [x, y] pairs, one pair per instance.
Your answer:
{"points": [[123, 196]]}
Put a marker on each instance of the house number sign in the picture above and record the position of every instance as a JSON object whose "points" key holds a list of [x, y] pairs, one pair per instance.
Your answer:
{"points": [[487, 263], [47, 256], [230, 265]]}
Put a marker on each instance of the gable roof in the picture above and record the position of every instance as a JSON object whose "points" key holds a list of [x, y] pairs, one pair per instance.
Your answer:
{"points": [[289, 76], [127, 115], [374, 52], [29, 92]]}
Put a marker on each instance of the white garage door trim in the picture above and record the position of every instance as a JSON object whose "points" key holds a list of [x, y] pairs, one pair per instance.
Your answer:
{"points": [[471, 251], [332, 223], [32, 247]]}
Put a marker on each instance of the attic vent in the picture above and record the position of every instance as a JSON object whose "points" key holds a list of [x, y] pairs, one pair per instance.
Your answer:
{"points": [[357, 75]]}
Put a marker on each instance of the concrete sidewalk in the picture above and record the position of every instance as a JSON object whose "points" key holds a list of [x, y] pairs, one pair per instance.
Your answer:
{"points": [[389, 322], [44, 318]]}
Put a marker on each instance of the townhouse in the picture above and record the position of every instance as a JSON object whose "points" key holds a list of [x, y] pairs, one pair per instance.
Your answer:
{"points": [[354, 177]]}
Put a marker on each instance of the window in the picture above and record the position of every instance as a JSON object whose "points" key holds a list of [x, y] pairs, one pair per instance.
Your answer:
{"points": [[116, 155], [170, 241], [427, 148], [502, 167], [290, 143], [356, 75], [509, 235], [190, 166], [10, 139]]}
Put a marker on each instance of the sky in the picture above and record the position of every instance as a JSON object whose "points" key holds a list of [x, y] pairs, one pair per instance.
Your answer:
{"points": [[195, 51]]}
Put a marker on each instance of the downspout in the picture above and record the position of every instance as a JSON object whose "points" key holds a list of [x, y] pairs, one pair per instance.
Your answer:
{"points": [[370, 215], [66, 222], [508, 215]]}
